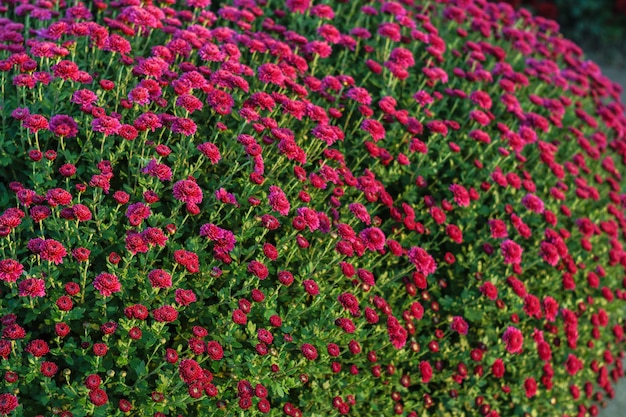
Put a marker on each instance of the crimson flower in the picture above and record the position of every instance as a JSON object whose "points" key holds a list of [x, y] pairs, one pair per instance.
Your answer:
{"points": [[107, 284]]}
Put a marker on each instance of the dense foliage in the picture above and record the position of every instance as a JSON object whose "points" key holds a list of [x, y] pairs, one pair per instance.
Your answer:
{"points": [[296, 208], [600, 22]]}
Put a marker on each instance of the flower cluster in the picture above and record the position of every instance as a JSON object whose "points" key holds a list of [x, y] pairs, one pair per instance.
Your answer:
{"points": [[306, 208]]}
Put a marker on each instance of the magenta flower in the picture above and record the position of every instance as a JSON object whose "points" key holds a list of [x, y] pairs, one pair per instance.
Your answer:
{"points": [[35, 123], [107, 284], [53, 251], [189, 102], [309, 351], [513, 340], [63, 125], [136, 212], [185, 126], [67, 70], [459, 325], [374, 128], [8, 403], [187, 191], [373, 238], [270, 74], [139, 95], [310, 286], [10, 270], [214, 350], [533, 203], [211, 151], [498, 229], [185, 297], [58, 196], [187, 259], [84, 97], [549, 253], [118, 44], [278, 200], [106, 124], [135, 243], [298, 6], [461, 195], [147, 121], [402, 57], [155, 169], [154, 66], [165, 314], [426, 370], [424, 263], [512, 252], [397, 334], [220, 101], [360, 95], [32, 287], [481, 99]]}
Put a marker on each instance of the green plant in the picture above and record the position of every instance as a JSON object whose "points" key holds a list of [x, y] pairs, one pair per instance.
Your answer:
{"points": [[306, 209]]}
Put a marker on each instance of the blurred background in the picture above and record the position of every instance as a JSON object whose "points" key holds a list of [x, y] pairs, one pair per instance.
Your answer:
{"points": [[597, 26], [591, 23]]}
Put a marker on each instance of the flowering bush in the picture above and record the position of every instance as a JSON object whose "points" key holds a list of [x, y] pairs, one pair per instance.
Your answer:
{"points": [[597, 21], [350, 208]]}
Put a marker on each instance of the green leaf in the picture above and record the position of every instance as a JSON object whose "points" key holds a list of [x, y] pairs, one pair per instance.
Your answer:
{"points": [[251, 327], [4, 194], [139, 366], [472, 315], [279, 391], [76, 313]]}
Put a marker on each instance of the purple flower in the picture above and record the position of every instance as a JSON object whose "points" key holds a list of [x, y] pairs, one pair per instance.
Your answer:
{"points": [[424, 263]]}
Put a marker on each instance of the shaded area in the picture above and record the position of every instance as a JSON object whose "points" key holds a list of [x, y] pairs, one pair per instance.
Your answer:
{"points": [[600, 23]]}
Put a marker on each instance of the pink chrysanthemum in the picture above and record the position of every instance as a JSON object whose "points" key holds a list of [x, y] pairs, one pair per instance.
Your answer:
{"points": [[10, 270], [461, 195], [187, 191], [271, 74], [424, 263], [165, 314], [53, 251], [32, 287], [513, 339], [373, 238], [184, 125], [512, 252], [106, 124], [360, 95], [309, 351], [533, 203], [298, 6], [63, 125], [459, 325], [397, 334], [278, 200], [374, 128], [107, 284], [211, 151]]}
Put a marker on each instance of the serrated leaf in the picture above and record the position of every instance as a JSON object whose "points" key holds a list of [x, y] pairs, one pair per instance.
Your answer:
{"points": [[139, 366], [472, 315]]}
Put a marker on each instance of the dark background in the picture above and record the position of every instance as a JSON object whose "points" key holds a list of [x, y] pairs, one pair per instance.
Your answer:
{"points": [[590, 23], [598, 27]]}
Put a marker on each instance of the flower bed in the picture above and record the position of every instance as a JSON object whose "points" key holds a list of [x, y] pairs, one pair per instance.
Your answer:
{"points": [[409, 208], [592, 22]]}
